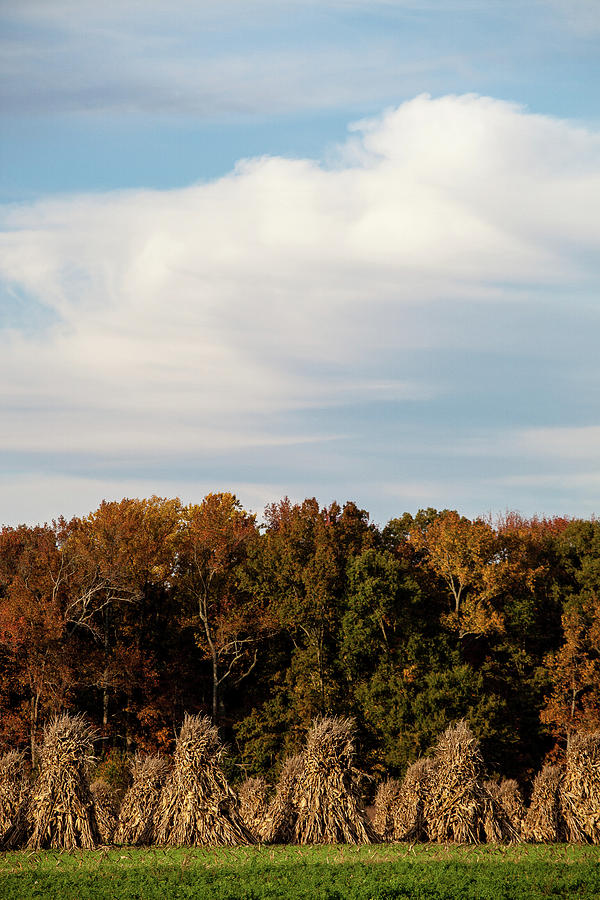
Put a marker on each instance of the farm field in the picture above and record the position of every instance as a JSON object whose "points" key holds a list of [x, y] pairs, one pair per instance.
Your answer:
{"points": [[424, 872]]}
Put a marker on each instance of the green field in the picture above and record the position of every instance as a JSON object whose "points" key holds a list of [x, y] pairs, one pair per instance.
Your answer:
{"points": [[430, 872]]}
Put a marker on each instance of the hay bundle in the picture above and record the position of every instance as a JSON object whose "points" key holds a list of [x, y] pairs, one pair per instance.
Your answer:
{"points": [[511, 799], [493, 788], [543, 823], [280, 819], [508, 794], [409, 811], [458, 807], [62, 806], [14, 799], [326, 796], [106, 803], [580, 789], [138, 809], [386, 799], [197, 806], [254, 804]]}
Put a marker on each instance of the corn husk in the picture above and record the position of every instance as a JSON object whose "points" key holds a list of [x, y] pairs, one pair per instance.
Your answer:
{"points": [[106, 803], [580, 789], [508, 794], [254, 804], [457, 805], [386, 800], [62, 807], [197, 807], [326, 796], [543, 820], [280, 818], [408, 818], [15, 791], [136, 822]]}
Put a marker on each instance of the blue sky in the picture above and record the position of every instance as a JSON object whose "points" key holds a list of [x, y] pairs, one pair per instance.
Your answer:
{"points": [[339, 248]]}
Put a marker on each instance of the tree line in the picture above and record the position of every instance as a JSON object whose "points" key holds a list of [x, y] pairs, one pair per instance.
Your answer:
{"points": [[147, 609]]}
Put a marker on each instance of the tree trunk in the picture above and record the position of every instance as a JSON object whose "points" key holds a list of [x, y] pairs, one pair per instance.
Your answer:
{"points": [[215, 685], [105, 701], [203, 614], [128, 735], [105, 673], [33, 720]]}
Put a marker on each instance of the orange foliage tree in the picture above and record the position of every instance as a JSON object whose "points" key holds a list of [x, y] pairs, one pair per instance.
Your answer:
{"points": [[212, 546], [574, 670], [119, 560]]}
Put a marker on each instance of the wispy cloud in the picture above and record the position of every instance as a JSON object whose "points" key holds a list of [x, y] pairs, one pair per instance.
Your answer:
{"points": [[246, 57], [564, 443]]}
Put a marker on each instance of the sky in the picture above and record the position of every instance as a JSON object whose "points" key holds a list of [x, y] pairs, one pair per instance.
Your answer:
{"points": [[329, 248]]}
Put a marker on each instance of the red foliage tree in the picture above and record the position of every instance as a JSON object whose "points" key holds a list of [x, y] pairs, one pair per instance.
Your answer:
{"points": [[33, 623]]}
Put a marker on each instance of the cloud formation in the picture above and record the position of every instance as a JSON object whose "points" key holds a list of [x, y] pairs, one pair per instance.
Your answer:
{"points": [[238, 58], [269, 314]]}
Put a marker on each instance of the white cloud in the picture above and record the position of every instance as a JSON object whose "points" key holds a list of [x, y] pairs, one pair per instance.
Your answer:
{"points": [[200, 321]]}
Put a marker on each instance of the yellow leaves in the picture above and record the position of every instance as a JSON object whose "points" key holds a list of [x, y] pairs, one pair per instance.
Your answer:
{"points": [[409, 673], [464, 554], [476, 617], [214, 533], [460, 551], [574, 669], [126, 542]]}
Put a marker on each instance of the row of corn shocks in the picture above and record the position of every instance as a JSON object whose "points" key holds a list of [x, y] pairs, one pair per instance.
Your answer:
{"points": [[187, 801]]}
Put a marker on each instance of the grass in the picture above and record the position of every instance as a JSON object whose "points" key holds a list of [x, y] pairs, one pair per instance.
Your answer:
{"points": [[385, 872]]}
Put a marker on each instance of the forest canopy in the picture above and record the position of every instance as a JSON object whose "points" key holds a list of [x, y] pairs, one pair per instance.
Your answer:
{"points": [[145, 610]]}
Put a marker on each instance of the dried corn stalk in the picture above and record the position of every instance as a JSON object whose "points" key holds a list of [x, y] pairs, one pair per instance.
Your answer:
{"points": [[280, 818], [543, 821], [326, 796], [580, 789], [14, 799], [106, 803], [62, 806], [138, 810], [457, 805], [409, 810], [510, 797], [386, 799], [254, 804], [197, 806]]}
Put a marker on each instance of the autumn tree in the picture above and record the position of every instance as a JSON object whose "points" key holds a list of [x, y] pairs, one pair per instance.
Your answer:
{"points": [[33, 621], [119, 562], [212, 545], [573, 702], [146, 609], [463, 554]]}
